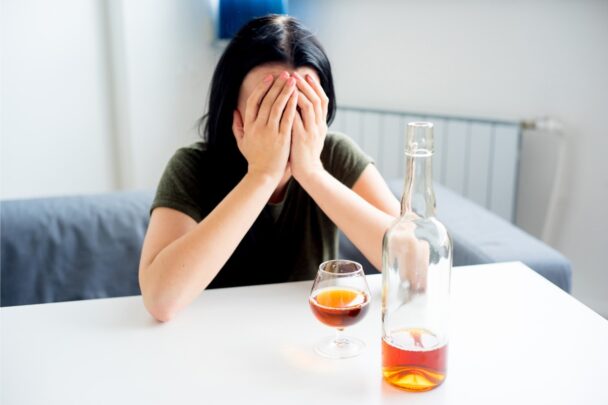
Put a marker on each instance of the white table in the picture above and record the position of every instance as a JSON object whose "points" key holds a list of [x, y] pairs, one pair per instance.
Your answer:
{"points": [[515, 338]]}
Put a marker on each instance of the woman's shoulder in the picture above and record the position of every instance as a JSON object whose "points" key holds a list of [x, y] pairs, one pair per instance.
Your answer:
{"points": [[196, 150], [343, 158], [191, 156], [338, 138], [339, 145], [185, 166], [181, 185]]}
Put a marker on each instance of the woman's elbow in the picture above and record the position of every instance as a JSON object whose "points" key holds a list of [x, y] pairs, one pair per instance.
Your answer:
{"points": [[162, 312], [158, 306]]}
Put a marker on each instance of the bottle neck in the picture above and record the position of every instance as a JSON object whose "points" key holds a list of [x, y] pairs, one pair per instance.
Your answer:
{"points": [[418, 195]]}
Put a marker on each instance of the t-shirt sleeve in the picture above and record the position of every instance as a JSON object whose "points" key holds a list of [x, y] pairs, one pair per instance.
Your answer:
{"points": [[179, 186], [343, 158]]}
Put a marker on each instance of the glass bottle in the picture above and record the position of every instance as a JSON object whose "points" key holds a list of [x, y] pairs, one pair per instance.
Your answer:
{"points": [[416, 269]]}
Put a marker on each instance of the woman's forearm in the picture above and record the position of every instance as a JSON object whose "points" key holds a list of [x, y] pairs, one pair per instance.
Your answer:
{"points": [[360, 221], [184, 268]]}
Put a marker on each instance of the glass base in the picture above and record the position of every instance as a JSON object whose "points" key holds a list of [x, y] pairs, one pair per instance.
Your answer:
{"points": [[341, 348]]}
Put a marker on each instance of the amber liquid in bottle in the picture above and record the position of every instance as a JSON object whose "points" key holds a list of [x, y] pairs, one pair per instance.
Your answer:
{"points": [[414, 360], [339, 307]]}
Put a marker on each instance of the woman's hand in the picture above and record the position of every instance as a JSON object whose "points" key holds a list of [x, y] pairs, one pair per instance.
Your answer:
{"points": [[309, 127], [264, 137], [413, 258]]}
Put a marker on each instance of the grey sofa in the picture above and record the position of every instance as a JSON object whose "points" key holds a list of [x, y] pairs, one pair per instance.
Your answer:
{"points": [[83, 247]]}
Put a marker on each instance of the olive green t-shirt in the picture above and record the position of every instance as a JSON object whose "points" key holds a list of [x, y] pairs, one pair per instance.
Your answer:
{"points": [[289, 239]]}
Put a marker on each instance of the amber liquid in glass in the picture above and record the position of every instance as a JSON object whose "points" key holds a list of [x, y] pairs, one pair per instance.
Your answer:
{"points": [[339, 307], [414, 360]]}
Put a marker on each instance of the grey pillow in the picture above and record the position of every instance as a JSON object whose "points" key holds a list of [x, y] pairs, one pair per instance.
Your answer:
{"points": [[71, 248]]}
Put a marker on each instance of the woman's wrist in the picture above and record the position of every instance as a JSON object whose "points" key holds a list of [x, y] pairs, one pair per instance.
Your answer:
{"points": [[263, 179], [307, 178]]}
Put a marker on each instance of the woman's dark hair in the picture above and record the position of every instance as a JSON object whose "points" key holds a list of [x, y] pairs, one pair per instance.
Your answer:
{"points": [[273, 38]]}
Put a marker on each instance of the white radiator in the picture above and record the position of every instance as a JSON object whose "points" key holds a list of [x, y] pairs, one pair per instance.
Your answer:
{"points": [[477, 158]]}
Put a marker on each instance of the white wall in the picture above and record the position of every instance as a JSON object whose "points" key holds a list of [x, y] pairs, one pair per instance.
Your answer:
{"points": [[54, 116], [164, 71], [511, 60], [97, 95]]}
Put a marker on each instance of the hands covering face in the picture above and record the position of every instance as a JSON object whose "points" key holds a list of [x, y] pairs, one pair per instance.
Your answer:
{"points": [[285, 124], [309, 127]]}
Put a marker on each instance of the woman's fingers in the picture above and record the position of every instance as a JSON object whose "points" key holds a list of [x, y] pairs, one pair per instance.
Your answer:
{"points": [[278, 107], [298, 124], [320, 93], [311, 95], [255, 99], [307, 111], [289, 114], [271, 96]]}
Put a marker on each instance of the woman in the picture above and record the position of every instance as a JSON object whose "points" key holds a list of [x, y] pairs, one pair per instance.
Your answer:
{"points": [[259, 200]]}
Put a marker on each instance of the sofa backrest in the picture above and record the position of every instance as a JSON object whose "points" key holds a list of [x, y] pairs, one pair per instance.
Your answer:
{"points": [[71, 248]]}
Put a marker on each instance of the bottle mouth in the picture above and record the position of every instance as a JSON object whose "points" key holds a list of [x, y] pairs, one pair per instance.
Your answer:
{"points": [[419, 139], [421, 124]]}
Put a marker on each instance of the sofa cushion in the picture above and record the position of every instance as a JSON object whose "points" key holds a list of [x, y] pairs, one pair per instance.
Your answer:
{"points": [[71, 248], [481, 236]]}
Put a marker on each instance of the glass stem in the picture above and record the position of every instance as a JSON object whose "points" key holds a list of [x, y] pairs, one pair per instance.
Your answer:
{"points": [[340, 339]]}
